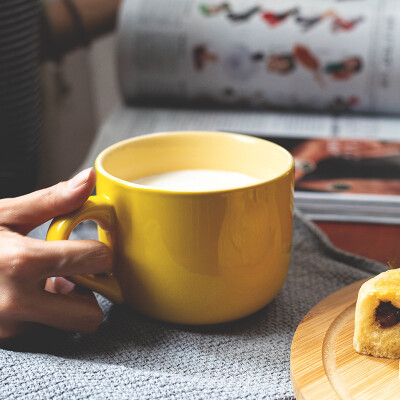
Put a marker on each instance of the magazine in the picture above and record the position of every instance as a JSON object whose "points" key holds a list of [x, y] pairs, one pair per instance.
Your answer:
{"points": [[320, 77], [340, 203], [346, 179], [286, 54]]}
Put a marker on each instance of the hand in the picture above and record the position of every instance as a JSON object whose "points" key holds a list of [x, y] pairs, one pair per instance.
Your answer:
{"points": [[27, 295]]}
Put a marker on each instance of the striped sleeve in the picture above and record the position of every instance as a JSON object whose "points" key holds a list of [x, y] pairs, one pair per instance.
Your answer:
{"points": [[20, 103]]}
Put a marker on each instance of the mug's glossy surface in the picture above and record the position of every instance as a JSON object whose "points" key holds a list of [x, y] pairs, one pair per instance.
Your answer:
{"points": [[191, 257]]}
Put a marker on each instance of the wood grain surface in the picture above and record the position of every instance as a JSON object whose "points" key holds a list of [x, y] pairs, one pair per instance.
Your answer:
{"points": [[324, 365]]}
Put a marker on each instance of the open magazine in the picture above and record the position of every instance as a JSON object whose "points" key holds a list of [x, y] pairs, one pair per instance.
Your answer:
{"points": [[320, 77], [346, 179]]}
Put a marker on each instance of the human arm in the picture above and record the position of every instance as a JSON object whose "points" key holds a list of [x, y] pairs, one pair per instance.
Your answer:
{"points": [[97, 17]]}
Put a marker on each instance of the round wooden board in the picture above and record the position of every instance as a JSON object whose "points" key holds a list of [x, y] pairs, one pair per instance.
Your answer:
{"points": [[324, 364]]}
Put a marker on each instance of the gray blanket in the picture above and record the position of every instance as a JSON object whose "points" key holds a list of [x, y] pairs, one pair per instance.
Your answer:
{"points": [[134, 357]]}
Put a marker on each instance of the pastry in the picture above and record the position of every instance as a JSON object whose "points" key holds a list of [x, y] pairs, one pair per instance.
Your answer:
{"points": [[377, 319]]}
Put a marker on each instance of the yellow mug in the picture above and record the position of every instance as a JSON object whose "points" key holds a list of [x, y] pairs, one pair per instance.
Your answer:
{"points": [[190, 257]]}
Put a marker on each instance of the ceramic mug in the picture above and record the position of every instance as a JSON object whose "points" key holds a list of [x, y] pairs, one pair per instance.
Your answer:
{"points": [[190, 257]]}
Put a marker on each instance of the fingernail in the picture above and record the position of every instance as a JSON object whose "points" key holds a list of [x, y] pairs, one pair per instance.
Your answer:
{"points": [[80, 179], [65, 287]]}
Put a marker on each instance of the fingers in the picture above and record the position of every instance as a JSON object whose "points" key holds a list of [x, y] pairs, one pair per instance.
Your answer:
{"points": [[24, 213], [34, 259], [59, 285], [63, 286], [25, 263], [75, 312], [63, 308], [10, 329]]}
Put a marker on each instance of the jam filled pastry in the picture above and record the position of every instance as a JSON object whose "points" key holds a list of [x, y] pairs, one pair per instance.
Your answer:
{"points": [[377, 319]]}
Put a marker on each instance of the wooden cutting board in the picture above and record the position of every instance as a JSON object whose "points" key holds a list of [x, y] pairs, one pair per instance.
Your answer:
{"points": [[324, 364]]}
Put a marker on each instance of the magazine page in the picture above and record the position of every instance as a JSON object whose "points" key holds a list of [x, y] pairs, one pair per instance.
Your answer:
{"points": [[346, 179], [129, 121], [287, 54], [349, 166], [337, 178]]}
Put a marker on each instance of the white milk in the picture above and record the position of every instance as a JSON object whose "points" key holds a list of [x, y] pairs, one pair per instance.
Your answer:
{"points": [[197, 180]]}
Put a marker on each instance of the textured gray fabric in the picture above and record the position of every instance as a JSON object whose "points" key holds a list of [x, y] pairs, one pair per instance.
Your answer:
{"points": [[134, 357]]}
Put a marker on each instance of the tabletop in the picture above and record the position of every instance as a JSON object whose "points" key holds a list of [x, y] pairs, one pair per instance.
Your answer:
{"points": [[379, 242]]}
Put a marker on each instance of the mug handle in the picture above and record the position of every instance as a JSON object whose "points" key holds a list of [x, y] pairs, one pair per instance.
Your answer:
{"points": [[100, 210]]}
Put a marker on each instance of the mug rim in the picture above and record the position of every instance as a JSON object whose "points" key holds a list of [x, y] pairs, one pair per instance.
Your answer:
{"points": [[247, 138]]}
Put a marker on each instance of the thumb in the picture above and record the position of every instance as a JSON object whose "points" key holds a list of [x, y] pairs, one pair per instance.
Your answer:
{"points": [[24, 213]]}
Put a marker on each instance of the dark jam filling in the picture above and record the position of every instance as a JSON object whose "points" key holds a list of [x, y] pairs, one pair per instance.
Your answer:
{"points": [[387, 315]]}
